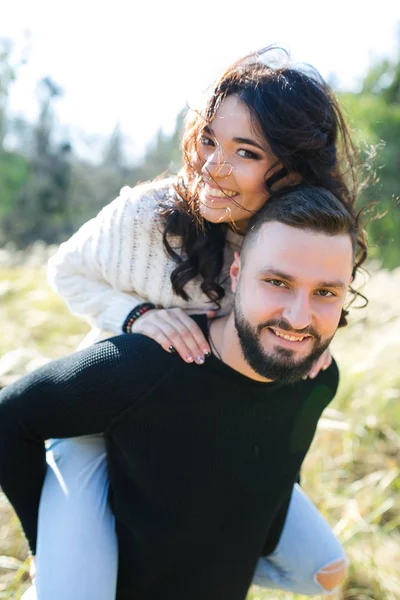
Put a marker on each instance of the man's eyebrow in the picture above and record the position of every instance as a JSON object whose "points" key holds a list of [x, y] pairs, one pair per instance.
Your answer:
{"points": [[237, 140], [269, 272], [336, 283]]}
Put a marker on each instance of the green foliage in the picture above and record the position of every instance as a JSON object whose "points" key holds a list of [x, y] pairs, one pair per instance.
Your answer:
{"points": [[14, 173], [376, 126], [163, 154], [383, 78], [7, 76]]}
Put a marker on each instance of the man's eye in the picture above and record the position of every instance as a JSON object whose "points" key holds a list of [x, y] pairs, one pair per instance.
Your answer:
{"points": [[325, 293], [276, 282]]}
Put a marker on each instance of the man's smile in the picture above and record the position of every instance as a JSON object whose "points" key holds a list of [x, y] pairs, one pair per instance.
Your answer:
{"points": [[290, 339]]}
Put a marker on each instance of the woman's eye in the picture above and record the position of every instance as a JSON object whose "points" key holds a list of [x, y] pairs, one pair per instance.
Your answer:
{"points": [[206, 141], [247, 154]]}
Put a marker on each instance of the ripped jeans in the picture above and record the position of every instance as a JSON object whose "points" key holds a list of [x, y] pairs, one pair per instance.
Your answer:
{"points": [[307, 547], [74, 509]]}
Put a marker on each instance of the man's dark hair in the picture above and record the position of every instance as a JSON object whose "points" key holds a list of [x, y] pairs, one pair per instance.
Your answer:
{"points": [[312, 209]]}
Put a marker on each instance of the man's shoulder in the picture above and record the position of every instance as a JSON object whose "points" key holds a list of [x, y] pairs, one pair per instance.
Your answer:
{"points": [[133, 355], [319, 392], [138, 351], [314, 395], [138, 359], [329, 377]]}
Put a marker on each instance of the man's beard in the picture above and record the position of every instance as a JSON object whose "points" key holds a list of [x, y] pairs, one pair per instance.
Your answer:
{"points": [[279, 364]]}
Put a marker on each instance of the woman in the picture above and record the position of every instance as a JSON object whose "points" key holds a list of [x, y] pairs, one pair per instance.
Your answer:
{"points": [[161, 252]]}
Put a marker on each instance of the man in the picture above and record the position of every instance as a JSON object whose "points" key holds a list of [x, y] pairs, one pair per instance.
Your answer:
{"points": [[198, 486]]}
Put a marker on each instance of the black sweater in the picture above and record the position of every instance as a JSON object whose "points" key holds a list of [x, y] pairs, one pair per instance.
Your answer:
{"points": [[202, 460]]}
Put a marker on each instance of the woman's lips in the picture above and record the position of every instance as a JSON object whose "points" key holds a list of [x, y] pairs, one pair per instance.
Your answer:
{"points": [[216, 194]]}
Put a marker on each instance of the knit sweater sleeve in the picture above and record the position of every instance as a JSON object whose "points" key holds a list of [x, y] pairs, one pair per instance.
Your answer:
{"points": [[81, 394], [98, 271]]}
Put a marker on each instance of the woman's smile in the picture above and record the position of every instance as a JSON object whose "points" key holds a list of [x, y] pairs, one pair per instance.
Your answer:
{"points": [[215, 194]]}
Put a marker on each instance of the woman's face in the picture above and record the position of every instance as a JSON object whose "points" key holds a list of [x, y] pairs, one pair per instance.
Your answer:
{"points": [[236, 162]]}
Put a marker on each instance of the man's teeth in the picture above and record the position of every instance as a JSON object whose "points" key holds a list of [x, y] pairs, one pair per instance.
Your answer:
{"points": [[219, 193], [289, 337]]}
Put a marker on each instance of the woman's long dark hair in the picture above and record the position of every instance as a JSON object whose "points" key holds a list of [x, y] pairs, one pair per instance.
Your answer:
{"points": [[298, 115]]}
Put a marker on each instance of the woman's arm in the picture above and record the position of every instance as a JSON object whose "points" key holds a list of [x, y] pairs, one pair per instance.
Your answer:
{"points": [[97, 271], [122, 249]]}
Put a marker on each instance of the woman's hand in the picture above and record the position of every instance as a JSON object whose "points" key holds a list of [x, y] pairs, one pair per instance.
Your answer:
{"points": [[322, 363], [175, 331]]}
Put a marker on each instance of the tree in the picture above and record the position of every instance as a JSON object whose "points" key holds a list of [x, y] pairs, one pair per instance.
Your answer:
{"points": [[376, 124], [14, 168], [7, 76], [41, 208], [163, 154], [383, 78]]}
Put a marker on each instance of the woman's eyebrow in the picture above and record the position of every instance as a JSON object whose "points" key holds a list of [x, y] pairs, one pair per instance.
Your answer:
{"points": [[249, 141], [237, 140]]}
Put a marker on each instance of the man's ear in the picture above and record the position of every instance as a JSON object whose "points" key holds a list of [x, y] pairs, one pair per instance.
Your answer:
{"points": [[235, 271]]}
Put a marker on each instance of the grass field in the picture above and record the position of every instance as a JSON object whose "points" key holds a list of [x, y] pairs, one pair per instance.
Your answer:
{"points": [[352, 470]]}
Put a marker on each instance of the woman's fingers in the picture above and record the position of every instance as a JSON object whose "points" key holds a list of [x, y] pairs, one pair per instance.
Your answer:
{"points": [[174, 328], [190, 332], [155, 332]]}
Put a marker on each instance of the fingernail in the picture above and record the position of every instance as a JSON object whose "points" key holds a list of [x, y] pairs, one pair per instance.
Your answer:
{"points": [[189, 358], [304, 377], [312, 374], [325, 367], [171, 349], [200, 360], [207, 354]]}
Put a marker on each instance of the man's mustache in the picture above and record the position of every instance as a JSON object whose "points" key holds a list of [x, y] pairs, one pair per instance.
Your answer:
{"points": [[284, 325]]}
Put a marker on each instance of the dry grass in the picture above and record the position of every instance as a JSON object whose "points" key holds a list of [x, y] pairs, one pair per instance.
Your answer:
{"points": [[352, 470]]}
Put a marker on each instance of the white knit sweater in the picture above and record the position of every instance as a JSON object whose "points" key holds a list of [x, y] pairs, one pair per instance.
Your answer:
{"points": [[117, 260]]}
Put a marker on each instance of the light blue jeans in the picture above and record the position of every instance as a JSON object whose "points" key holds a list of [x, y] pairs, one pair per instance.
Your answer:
{"points": [[77, 552]]}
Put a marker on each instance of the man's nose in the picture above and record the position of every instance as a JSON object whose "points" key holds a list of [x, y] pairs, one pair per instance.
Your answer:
{"points": [[298, 312]]}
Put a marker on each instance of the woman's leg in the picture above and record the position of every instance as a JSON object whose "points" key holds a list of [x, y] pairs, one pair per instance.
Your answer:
{"points": [[309, 558], [77, 553]]}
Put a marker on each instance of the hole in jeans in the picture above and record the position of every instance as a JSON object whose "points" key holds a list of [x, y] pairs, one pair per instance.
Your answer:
{"points": [[332, 575]]}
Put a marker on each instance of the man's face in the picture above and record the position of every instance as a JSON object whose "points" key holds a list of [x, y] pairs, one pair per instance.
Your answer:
{"points": [[289, 293]]}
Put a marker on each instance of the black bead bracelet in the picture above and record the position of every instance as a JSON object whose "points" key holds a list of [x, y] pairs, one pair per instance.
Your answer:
{"points": [[133, 316]]}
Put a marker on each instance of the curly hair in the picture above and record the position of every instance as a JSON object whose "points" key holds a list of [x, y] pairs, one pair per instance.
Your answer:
{"points": [[298, 115]]}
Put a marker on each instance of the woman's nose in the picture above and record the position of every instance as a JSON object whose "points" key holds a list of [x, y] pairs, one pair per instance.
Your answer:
{"points": [[216, 167]]}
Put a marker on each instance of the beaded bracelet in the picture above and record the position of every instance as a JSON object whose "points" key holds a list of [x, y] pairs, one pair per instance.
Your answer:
{"points": [[133, 316]]}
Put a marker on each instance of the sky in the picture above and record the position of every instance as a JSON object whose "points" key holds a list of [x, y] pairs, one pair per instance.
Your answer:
{"points": [[137, 63]]}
